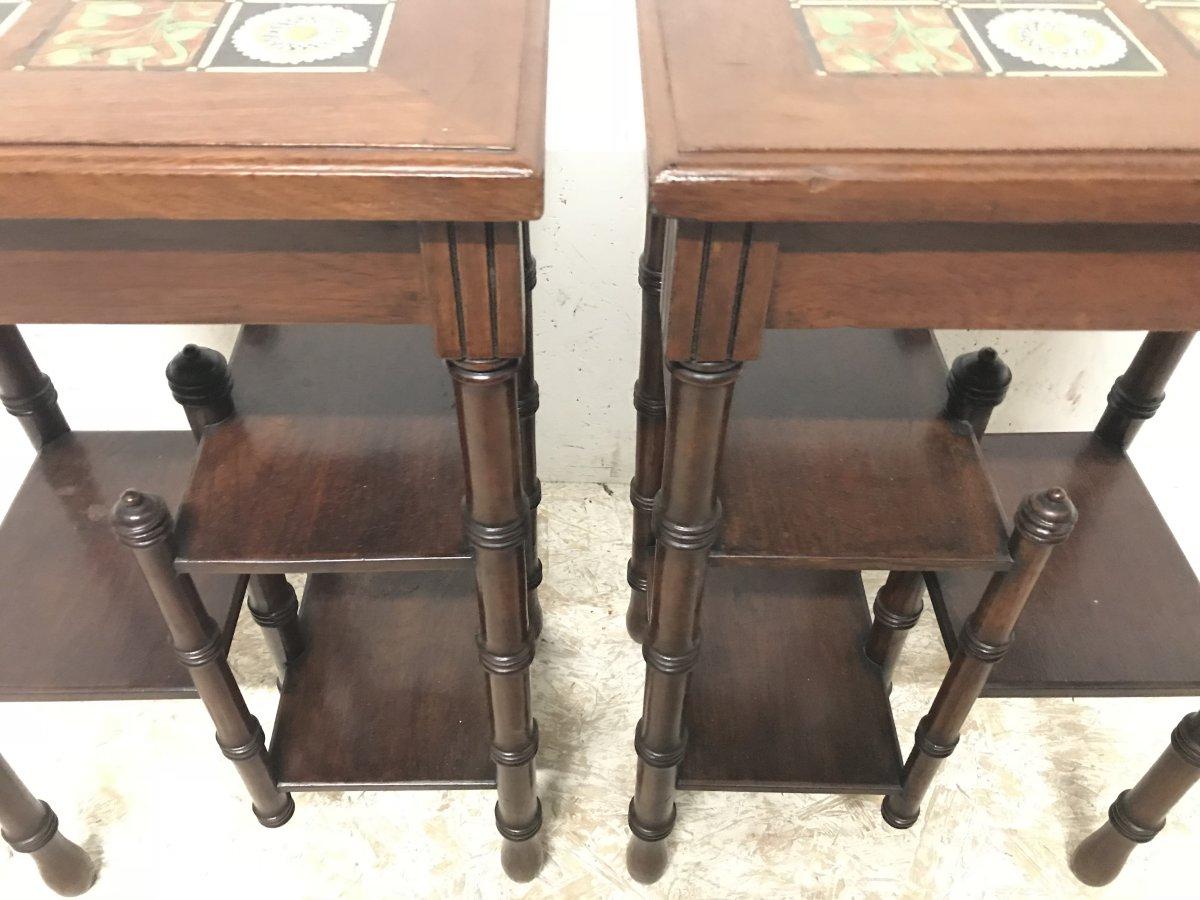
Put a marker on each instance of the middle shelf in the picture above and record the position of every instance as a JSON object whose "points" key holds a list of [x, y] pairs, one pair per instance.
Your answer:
{"points": [[342, 453], [837, 457]]}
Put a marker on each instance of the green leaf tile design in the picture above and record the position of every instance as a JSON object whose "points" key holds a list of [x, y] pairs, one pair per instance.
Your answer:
{"points": [[888, 40]]}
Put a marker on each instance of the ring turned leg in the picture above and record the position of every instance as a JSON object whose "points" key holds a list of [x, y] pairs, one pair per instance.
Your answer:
{"points": [[1137, 394], [1138, 814], [142, 522], [650, 403], [976, 385], [497, 519], [527, 407], [687, 517], [200, 382], [26, 392], [1042, 521], [30, 826]]}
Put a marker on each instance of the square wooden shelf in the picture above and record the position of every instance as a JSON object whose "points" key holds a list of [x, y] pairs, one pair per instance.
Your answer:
{"points": [[77, 621], [1116, 612], [343, 453], [390, 693], [783, 698], [837, 457]]}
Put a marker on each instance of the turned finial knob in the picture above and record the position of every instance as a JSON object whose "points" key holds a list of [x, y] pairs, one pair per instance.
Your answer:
{"points": [[1047, 517], [979, 378], [198, 376], [140, 520]]}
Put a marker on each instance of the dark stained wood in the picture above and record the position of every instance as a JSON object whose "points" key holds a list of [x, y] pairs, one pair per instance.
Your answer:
{"points": [[955, 275], [1117, 610], [782, 698], [742, 128], [837, 457], [389, 693], [142, 522], [1042, 522], [30, 826], [153, 271], [649, 400], [1140, 390], [76, 618], [342, 453], [686, 520], [448, 126], [26, 392], [1139, 814]]}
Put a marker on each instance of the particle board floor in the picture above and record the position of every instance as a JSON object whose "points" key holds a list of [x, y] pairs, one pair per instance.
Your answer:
{"points": [[142, 785]]}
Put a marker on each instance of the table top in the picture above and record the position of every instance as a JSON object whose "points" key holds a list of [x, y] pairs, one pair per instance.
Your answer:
{"points": [[365, 109], [783, 110]]}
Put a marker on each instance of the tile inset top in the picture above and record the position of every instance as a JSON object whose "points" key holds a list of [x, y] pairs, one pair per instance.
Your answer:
{"points": [[424, 95], [951, 110]]}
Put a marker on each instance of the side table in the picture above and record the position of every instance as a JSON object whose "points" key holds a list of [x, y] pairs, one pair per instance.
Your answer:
{"points": [[377, 169], [817, 195]]}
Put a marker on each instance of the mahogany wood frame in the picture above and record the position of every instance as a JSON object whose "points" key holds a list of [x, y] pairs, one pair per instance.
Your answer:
{"points": [[476, 279], [30, 826]]}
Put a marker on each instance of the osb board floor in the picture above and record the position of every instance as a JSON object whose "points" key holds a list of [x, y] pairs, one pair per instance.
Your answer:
{"points": [[142, 785]]}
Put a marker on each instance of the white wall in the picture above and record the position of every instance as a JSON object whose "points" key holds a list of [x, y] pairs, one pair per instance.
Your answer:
{"points": [[587, 308]]}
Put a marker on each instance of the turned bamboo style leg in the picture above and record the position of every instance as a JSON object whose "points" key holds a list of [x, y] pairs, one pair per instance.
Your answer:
{"points": [[687, 518], [650, 403], [1137, 395], [26, 392], [200, 382], [976, 385], [30, 826], [527, 407], [1139, 814], [142, 522], [497, 519], [1042, 521]]}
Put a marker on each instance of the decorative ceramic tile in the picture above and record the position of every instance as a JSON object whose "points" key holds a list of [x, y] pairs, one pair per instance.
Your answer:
{"points": [[1185, 19], [928, 37], [9, 13], [1055, 40], [128, 34], [287, 37], [887, 40]]}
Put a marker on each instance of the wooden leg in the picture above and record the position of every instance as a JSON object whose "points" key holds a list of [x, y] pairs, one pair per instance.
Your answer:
{"points": [[497, 519], [142, 522], [200, 382], [897, 609], [976, 385], [30, 826], [1137, 395], [527, 407], [687, 517], [1043, 521], [1138, 814], [650, 403], [26, 392]]}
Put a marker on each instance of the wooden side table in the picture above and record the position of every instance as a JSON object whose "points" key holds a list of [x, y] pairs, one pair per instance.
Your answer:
{"points": [[819, 166], [325, 164]]}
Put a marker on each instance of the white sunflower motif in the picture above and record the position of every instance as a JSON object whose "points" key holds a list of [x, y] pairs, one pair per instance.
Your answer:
{"points": [[289, 35], [1057, 39]]}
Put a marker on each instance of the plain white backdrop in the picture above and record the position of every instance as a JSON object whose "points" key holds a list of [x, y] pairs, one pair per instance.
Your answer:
{"points": [[587, 309]]}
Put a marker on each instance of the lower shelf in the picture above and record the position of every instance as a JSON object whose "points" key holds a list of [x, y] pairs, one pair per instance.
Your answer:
{"points": [[390, 693], [782, 698], [77, 621], [1117, 610]]}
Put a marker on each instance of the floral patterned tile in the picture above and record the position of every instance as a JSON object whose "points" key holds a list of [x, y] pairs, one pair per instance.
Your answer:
{"points": [[887, 40], [1056, 40], [1185, 19], [948, 37], [9, 13], [129, 34], [328, 37]]}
